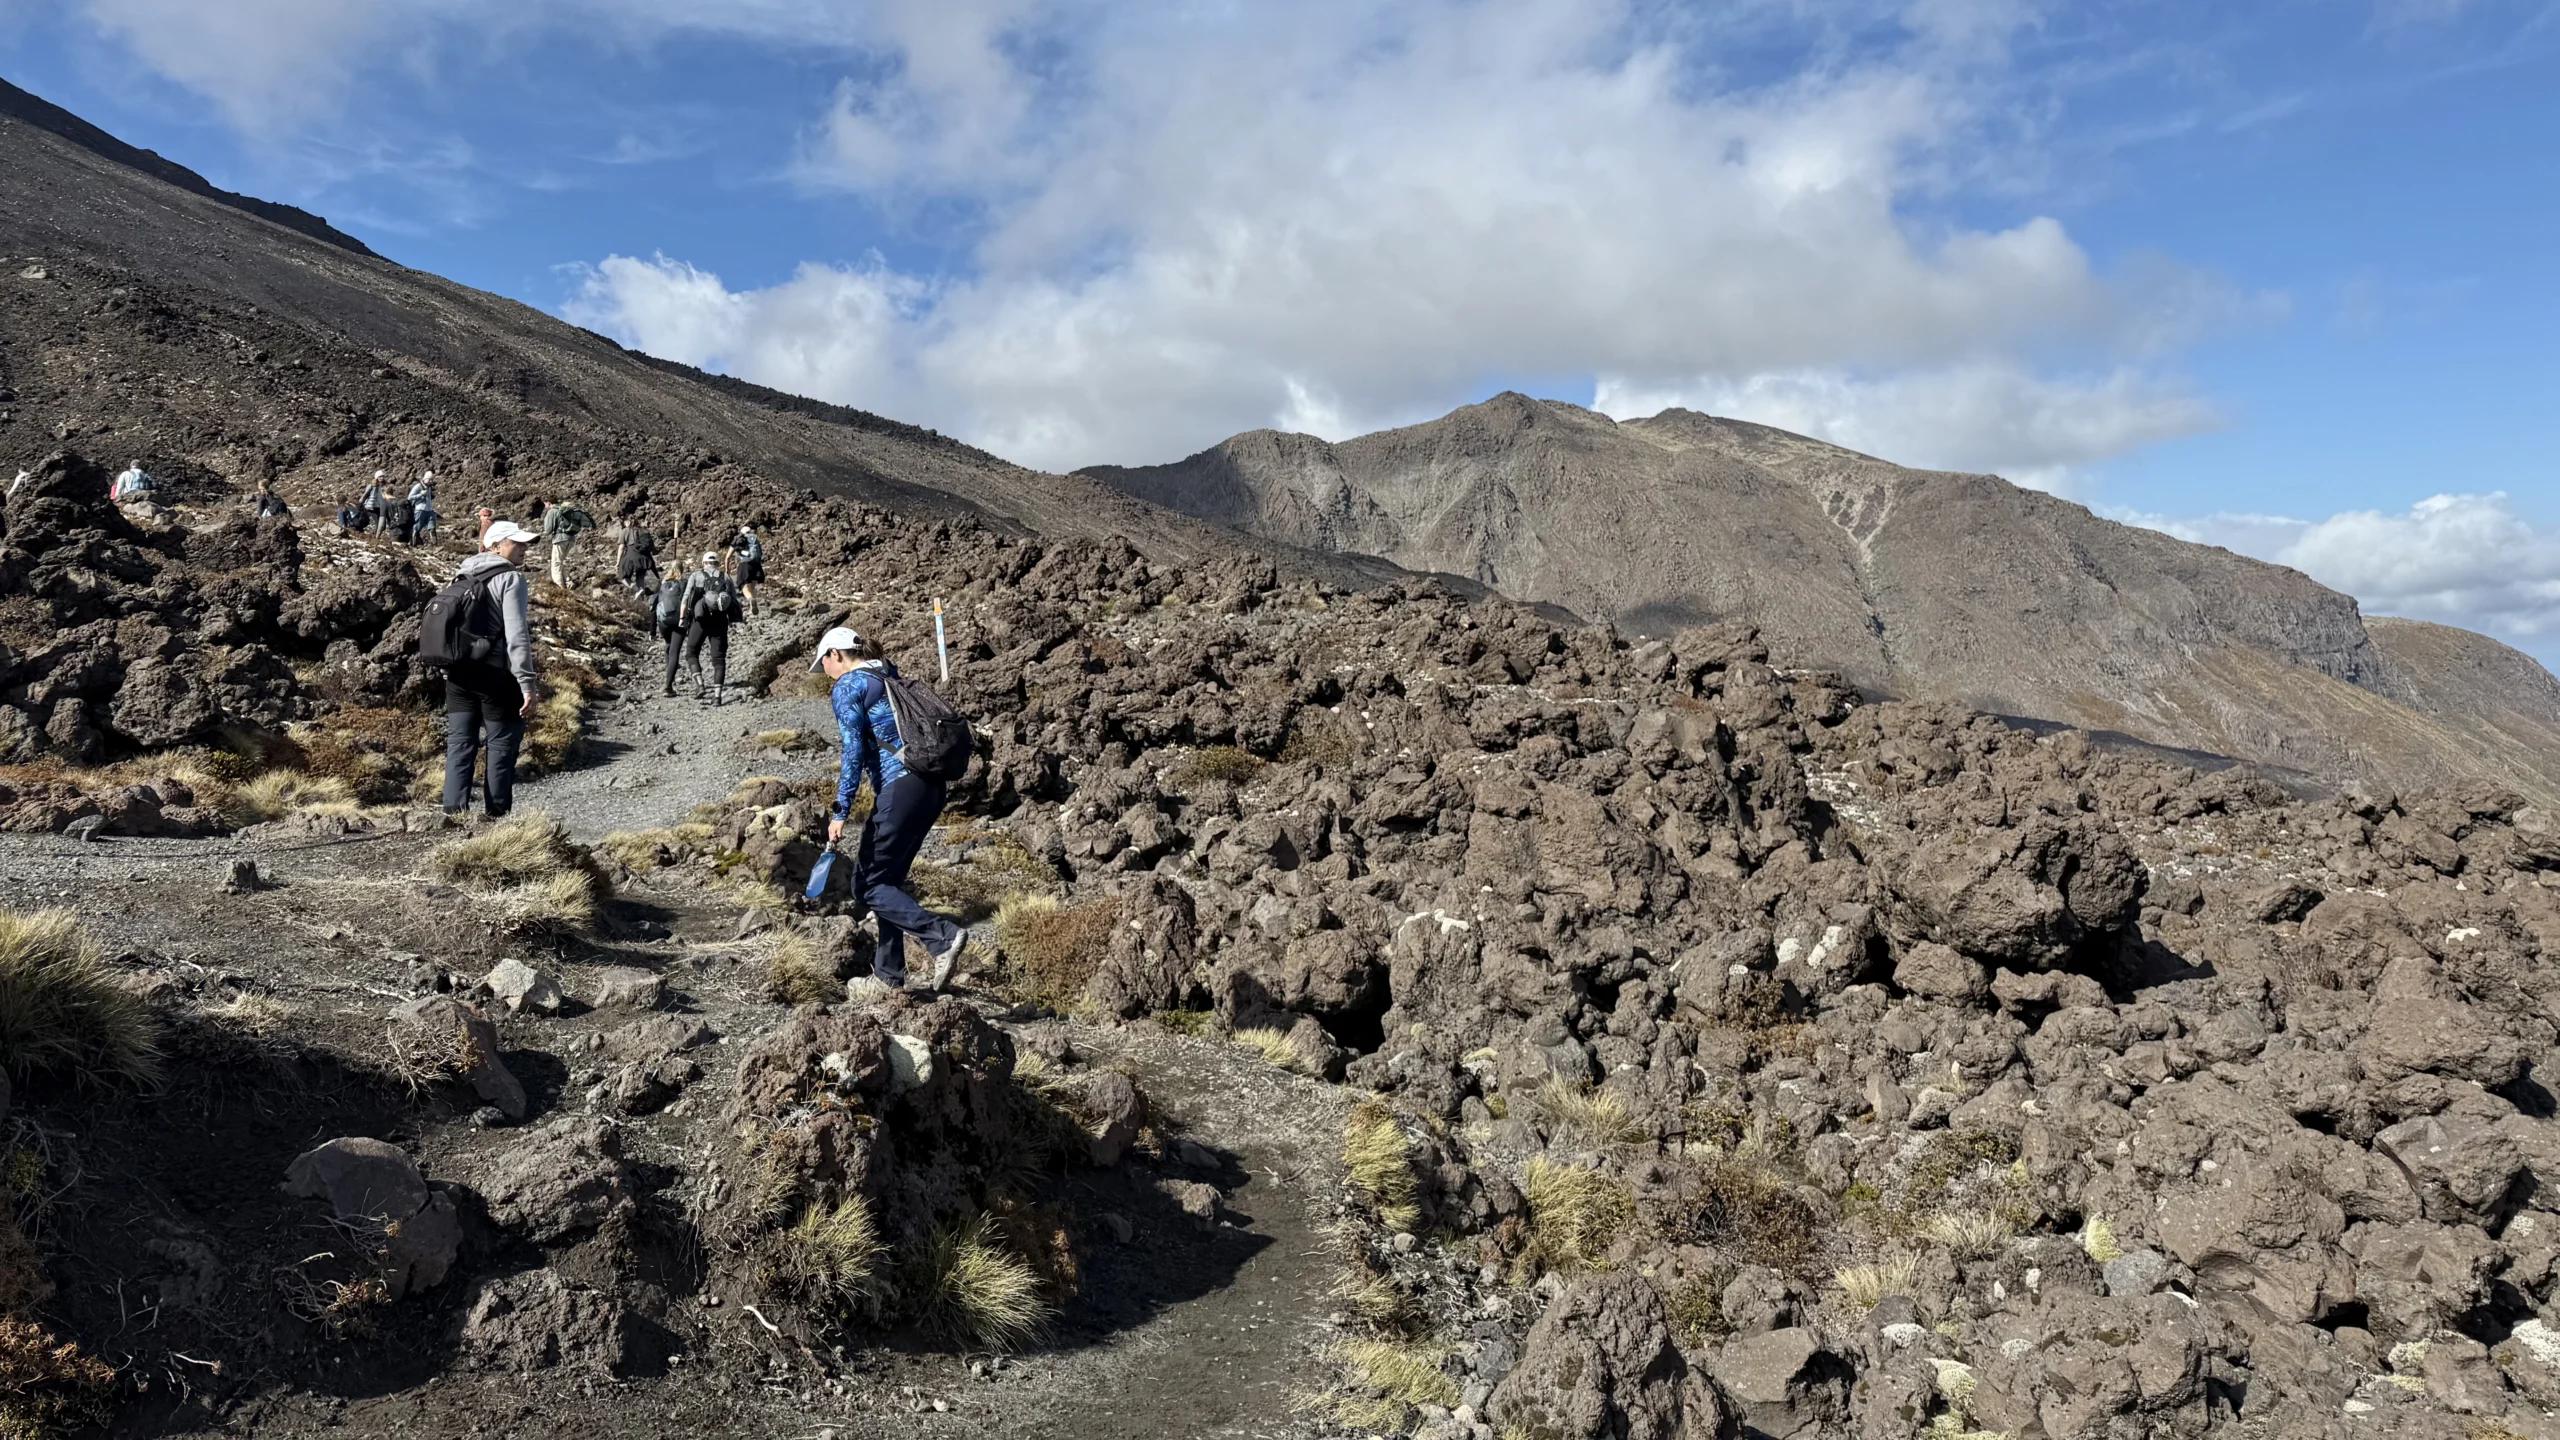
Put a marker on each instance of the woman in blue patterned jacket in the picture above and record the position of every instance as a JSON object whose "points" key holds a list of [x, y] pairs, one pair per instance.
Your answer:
{"points": [[903, 809]]}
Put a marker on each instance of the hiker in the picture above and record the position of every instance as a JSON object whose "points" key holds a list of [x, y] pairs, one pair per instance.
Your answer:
{"points": [[487, 701], [750, 553], [14, 484], [486, 518], [707, 607], [372, 502], [562, 525], [397, 515], [670, 618], [270, 504], [422, 509], [903, 809], [133, 485], [638, 565], [351, 517]]}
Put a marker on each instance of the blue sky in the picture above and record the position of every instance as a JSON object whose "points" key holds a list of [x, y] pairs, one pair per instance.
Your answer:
{"points": [[2277, 276]]}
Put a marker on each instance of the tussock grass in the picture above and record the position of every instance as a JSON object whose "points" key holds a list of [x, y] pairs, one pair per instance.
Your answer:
{"points": [[795, 975], [279, 793], [1696, 1306], [790, 741], [1742, 1204], [1373, 1152], [1375, 1299], [558, 723], [1055, 948], [261, 1016], [643, 850], [968, 1287], [61, 1010], [540, 879], [830, 1258], [47, 1387], [1583, 1118], [1218, 764], [1867, 1286], [1278, 1046], [1389, 1378], [1971, 1234], [1574, 1214]]}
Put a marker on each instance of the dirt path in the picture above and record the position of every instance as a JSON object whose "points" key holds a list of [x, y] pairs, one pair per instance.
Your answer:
{"points": [[1181, 1331]]}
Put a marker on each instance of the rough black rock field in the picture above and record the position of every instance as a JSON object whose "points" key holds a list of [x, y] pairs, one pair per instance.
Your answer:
{"points": [[1390, 1012]]}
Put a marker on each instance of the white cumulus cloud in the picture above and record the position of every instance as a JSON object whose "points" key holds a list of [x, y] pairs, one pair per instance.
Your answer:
{"points": [[2467, 560]]}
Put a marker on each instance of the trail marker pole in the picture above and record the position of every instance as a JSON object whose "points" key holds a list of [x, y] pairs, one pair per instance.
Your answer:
{"points": [[941, 645]]}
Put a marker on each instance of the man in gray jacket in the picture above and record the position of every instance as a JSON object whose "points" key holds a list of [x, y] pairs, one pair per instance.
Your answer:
{"points": [[487, 703]]}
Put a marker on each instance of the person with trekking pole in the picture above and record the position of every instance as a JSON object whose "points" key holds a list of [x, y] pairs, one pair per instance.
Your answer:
{"points": [[904, 804], [708, 606], [562, 524], [479, 630]]}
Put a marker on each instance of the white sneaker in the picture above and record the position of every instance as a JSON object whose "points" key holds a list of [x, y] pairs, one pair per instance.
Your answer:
{"points": [[868, 990], [947, 961]]}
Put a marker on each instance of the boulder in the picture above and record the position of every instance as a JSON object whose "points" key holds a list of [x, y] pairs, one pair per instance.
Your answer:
{"points": [[1784, 1381], [562, 1181], [626, 987], [442, 1035], [1114, 1113], [520, 987], [536, 1320], [374, 1187], [2464, 1167], [1600, 1362], [1936, 972]]}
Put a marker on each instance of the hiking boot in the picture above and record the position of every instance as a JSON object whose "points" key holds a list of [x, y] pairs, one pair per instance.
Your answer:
{"points": [[945, 962], [869, 989]]}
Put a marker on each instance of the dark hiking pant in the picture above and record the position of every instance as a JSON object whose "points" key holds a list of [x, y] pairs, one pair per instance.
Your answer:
{"points": [[476, 718], [673, 634], [699, 638], [901, 817]]}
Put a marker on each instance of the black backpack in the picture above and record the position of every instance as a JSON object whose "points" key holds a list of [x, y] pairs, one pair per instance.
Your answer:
{"points": [[718, 599], [933, 738], [461, 626]]}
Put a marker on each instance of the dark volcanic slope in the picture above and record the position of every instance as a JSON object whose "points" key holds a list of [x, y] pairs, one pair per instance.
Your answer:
{"points": [[145, 264], [1919, 583]]}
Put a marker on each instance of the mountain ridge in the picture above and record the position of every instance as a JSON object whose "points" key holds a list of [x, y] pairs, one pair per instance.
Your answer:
{"points": [[1915, 583]]}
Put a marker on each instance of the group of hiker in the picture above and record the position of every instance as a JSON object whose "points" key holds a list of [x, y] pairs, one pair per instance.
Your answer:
{"points": [[409, 519], [897, 737]]}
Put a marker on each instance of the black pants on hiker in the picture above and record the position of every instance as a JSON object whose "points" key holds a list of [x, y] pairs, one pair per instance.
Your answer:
{"points": [[480, 713], [672, 634], [699, 638], [901, 817]]}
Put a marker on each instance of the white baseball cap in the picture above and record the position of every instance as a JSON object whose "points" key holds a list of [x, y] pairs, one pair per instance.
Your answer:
{"points": [[504, 530], [842, 637], [710, 557]]}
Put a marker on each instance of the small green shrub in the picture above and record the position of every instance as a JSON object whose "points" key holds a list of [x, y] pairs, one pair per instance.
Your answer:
{"points": [[1216, 764]]}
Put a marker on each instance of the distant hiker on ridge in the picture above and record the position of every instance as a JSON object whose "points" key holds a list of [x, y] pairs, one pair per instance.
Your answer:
{"points": [[133, 485], [904, 806], [372, 502], [490, 688]]}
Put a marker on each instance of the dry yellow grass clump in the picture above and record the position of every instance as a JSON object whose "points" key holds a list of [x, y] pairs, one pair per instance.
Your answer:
{"points": [[279, 793], [831, 1258], [1388, 1379], [1373, 1152], [795, 975], [1055, 948], [62, 1012], [47, 1387], [1584, 1118], [1867, 1286], [1574, 1214], [969, 1287], [1278, 1046], [538, 877]]}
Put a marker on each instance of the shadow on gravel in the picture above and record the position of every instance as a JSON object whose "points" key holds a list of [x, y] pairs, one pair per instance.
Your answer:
{"points": [[180, 1259], [1173, 1257]]}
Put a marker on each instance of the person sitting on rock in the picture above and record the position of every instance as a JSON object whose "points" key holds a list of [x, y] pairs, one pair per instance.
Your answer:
{"points": [[903, 809], [706, 609], [487, 702], [133, 485], [269, 504], [351, 517]]}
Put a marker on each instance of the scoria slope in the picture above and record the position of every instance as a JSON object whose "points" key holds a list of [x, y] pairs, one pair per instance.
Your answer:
{"points": [[1922, 584]]}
